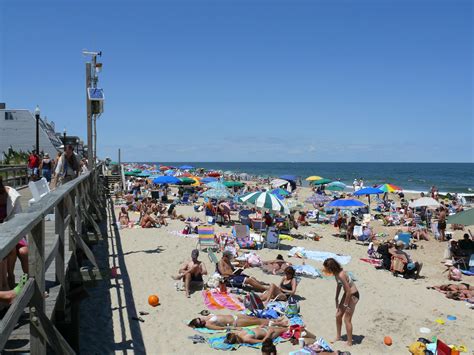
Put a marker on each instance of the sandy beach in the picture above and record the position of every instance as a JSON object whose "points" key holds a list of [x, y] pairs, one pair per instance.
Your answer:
{"points": [[389, 306]]}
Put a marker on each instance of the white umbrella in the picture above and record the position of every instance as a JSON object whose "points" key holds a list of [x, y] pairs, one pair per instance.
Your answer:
{"points": [[278, 182], [424, 202]]}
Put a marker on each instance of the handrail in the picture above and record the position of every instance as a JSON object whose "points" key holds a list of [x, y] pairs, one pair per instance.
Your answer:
{"points": [[7, 170], [71, 203], [21, 224]]}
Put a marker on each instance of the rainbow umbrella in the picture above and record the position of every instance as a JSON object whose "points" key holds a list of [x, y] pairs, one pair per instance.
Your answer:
{"points": [[389, 188]]}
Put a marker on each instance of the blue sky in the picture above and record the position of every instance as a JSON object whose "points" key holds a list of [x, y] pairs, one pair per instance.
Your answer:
{"points": [[251, 80]]}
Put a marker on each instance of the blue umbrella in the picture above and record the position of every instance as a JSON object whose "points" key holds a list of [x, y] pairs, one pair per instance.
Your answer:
{"points": [[217, 194], [170, 172], [186, 167], [368, 191], [216, 185], [208, 179], [166, 180], [345, 203], [289, 177]]}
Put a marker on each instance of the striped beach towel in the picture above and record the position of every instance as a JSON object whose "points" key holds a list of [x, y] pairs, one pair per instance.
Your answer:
{"points": [[218, 300]]}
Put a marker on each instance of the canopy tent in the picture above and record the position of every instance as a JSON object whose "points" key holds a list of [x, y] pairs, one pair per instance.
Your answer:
{"points": [[264, 200], [424, 202], [465, 218], [346, 203]]}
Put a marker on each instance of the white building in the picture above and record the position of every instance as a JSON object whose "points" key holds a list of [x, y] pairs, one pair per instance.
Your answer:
{"points": [[18, 130]]}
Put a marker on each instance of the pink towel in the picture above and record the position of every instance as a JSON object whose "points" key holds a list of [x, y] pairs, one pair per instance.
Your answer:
{"points": [[218, 300], [375, 262]]}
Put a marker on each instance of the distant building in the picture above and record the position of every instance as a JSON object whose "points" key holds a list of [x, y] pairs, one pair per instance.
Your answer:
{"points": [[18, 130]]}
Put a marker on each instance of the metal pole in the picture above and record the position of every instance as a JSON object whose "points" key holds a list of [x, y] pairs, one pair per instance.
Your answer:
{"points": [[37, 134], [89, 119], [119, 158]]}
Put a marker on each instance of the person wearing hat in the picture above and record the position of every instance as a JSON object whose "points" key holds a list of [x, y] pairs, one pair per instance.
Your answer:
{"points": [[235, 277], [46, 167], [411, 267], [191, 272]]}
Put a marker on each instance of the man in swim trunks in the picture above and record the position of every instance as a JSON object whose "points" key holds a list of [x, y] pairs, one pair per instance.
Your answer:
{"points": [[191, 271], [235, 279]]}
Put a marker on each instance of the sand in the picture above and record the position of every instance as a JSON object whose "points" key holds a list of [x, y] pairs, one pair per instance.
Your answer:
{"points": [[388, 305]]}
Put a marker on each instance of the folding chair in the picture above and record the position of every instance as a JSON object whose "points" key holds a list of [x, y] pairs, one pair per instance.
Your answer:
{"points": [[358, 231], [272, 239], [206, 238], [405, 238], [242, 236]]}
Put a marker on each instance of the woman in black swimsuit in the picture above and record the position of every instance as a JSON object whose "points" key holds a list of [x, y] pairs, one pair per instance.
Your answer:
{"points": [[287, 287]]}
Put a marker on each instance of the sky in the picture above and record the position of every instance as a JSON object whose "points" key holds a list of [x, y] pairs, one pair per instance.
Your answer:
{"points": [[260, 80]]}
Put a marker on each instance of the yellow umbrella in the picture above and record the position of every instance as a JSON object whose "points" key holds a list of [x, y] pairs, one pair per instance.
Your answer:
{"points": [[196, 179], [313, 178]]}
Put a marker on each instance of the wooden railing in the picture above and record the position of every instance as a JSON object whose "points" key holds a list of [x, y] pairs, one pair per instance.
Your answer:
{"points": [[14, 175], [73, 205]]}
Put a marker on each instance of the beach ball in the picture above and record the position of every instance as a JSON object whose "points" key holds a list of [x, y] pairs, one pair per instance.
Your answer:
{"points": [[387, 340], [153, 300]]}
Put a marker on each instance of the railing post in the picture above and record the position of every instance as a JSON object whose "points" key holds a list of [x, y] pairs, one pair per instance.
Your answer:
{"points": [[36, 261], [59, 260]]}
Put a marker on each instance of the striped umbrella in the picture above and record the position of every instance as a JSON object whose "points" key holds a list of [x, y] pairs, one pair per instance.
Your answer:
{"points": [[265, 200], [389, 188]]}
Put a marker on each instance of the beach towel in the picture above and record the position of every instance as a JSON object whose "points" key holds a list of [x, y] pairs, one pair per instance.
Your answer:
{"points": [[319, 255], [218, 342], [218, 300], [467, 272], [375, 262], [214, 331], [179, 234], [300, 270]]}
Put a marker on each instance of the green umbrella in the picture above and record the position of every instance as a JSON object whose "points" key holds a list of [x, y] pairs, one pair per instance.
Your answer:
{"points": [[465, 217], [321, 182], [233, 183], [137, 171], [186, 181], [334, 188], [129, 173]]}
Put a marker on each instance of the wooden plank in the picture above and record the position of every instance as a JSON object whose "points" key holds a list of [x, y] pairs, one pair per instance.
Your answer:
{"points": [[14, 313], [54, 338], [36, 271], [13, 230], [52, 254]]}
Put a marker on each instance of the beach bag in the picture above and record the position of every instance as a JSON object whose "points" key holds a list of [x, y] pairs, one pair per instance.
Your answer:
{"points": [[454, 274], [398, 265], [417, 348], [214, 281], [253, 303], [292, 307]]}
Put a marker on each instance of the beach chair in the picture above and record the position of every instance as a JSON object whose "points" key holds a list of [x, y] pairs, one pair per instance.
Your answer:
{"points": [[434, 230], [185, 199], [244, 217], [258, 225], [38, 189], [272, 240], [405, 238], [206, 238], [358, 231], [242, 236]]}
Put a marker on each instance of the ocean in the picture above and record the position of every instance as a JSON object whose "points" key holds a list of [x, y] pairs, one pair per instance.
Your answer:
{"points": [[448, 177]]}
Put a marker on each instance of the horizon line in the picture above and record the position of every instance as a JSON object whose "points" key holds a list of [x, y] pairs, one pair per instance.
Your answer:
{"points": [[311, 162]]}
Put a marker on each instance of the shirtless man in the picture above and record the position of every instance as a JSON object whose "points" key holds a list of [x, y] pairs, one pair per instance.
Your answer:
{"points": [[225, 268], [442, 224], [191, 271]]}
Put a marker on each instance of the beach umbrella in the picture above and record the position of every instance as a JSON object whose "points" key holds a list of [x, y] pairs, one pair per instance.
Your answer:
{"points": [[186, 167], [169, 172], [217, 194], [322, 181], [166, 180], [313, 178], [346, 203], [129, 173], [389, 188], [289, 177], [336, 186], [264, 200], [186, 181], [216, 185], [164, 167], [368, 191], [233, 184], [278, 182], [208, 179], [424, 202], [465, 218], [280, 192], [136, 171], [144, 175], [214, 174]]}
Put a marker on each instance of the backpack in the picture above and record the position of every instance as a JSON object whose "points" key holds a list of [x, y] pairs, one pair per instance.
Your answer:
{"points": [[292, 307], [253, 302]]}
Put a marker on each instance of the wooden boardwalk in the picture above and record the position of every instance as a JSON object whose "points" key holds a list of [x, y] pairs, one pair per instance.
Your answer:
{"points": [[19, 341]]}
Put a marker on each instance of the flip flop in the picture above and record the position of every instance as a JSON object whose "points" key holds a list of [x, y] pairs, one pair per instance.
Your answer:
{"points": [[21, 284], [204, 312], [440, 321]]}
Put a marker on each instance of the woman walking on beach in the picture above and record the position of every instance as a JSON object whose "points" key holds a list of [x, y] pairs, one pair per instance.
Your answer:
{"points": [[346, 306]]}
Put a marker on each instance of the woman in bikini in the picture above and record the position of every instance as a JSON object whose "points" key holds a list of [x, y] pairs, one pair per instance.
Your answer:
{"points": [[346, 306], [221, 321], [276, 266], [255, 335], [124, 219], [286, 288]]}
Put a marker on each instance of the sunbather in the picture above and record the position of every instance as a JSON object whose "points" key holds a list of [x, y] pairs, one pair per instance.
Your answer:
{"points": [[286, 288], [124, 219], [412, 267], [148, 221], [234, 277], [276, 266], [453, 287], [260, 334], [191, 271], [222, 321]]}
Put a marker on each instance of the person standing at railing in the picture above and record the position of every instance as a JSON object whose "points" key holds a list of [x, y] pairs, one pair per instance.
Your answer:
{"points": [[9, 206], [67, 167]]}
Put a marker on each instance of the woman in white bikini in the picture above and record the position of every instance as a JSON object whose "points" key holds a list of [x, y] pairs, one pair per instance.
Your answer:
{"points": [[222, 321]]}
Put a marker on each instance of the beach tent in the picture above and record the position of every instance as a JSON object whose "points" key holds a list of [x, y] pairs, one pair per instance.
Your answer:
{"points": [[278, 182], [265, 200], [424, 202], [166, 180], [280, 192], [345, 203], [465, 218]]}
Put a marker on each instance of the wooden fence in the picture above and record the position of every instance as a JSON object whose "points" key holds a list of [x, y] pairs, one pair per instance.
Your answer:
{"points": [[74, 204], [14, 175]]}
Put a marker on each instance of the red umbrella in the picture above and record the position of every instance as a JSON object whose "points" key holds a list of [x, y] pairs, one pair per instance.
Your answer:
{"points": [[163, 168], [214, 174]]}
